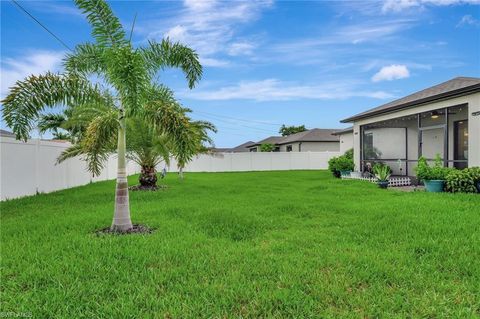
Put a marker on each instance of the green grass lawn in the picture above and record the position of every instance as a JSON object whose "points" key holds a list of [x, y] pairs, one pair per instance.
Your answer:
{"points": [[261, 244]]}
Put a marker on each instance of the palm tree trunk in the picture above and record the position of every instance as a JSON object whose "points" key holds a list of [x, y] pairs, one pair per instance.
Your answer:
{"points": [[121, 217], [180, 171], [148, 177]]}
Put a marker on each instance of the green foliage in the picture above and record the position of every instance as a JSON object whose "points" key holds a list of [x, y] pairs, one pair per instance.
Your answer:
{"points": [[288, 130], [381, 166], [463, 181], [28, 98], [93, 116], [168, 54], [382, 172], [106, 27], [223, 246], [341, 163], [267, 147], [349, 154], [436, 172]]}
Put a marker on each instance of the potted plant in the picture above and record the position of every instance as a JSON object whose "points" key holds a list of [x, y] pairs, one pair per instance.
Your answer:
{"points": [[433, 177], [382, 173]]}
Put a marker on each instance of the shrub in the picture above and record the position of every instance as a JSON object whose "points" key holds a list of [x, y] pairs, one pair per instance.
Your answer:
{"points": [[463, 181], [267, 147], [349, 154], [378, 166], [382, 172], [435, 172], [340, 163]]}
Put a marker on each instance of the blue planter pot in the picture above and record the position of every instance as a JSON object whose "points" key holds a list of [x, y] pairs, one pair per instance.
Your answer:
{"points": [[345, 173], [434, 186], [382, 184], [478, 186]]}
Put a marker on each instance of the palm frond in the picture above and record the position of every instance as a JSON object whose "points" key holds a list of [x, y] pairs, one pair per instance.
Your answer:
{"points": [[106, 27], [51, 122], [169, 54], [86, 59], [127, 73], [27, 98], [72, 151]]}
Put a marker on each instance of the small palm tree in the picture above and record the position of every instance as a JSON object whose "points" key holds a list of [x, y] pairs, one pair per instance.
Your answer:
{"points": [[193, 143], [127, 71]]}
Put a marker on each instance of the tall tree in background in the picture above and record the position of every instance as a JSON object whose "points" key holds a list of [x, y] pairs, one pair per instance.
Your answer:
{"points": [[288, 130], [127, 71]]}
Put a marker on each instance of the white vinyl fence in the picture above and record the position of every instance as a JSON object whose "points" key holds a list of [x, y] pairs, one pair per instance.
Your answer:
{"points": [[257, 161], [29, 168]]}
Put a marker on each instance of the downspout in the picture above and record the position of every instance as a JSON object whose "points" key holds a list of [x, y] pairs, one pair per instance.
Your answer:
{"points": [[300, 146]]}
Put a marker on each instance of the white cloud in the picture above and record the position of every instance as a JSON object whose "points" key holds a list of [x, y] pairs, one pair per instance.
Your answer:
{"points": [[214, 62], [468, 20], [275, 90], [391, 72], [241, 48], [37, 62], [209, 26], [401, 5]]}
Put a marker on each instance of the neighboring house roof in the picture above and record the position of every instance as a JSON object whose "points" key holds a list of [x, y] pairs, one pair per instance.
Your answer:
{"points": [[268, 140], [344, 131], [242, 147], [219, 149], [6, 133], [313, 135], [454, 87]]}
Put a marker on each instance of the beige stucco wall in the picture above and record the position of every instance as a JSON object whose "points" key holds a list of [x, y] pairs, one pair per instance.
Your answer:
{"points": [[473, 102], [346, 142]]}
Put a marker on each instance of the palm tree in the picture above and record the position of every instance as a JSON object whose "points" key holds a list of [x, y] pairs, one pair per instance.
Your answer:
{"points": [[192, 143], [144, 146], [127, 71]]}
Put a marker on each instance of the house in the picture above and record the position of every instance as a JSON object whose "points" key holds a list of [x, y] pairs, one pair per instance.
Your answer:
{"points": [[314, 140], [241, 148], [237, 149], [256, 147], [4, 133], [443, 119], [346, 139]]}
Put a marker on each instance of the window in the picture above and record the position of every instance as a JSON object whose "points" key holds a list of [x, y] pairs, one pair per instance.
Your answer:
{"points": [[368, 149], [253, 149], [460, 143], [289, 148]]}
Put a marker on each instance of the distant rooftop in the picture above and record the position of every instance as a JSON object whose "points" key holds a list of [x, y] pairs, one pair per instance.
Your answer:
{"points": [[242, 147], [6, 133], [454, 87], [344, 131], [313, 135]]}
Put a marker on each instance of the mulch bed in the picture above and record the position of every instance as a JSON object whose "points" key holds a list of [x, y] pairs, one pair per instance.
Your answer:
{"points": [[147, 188], [137, 229]]}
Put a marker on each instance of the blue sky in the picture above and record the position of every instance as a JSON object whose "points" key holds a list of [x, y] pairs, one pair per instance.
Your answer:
{"points": [[272, 62]]}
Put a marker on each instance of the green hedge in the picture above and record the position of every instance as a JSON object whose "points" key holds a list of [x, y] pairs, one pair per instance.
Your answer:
{"points": [[341, 163], [463, 181]]}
